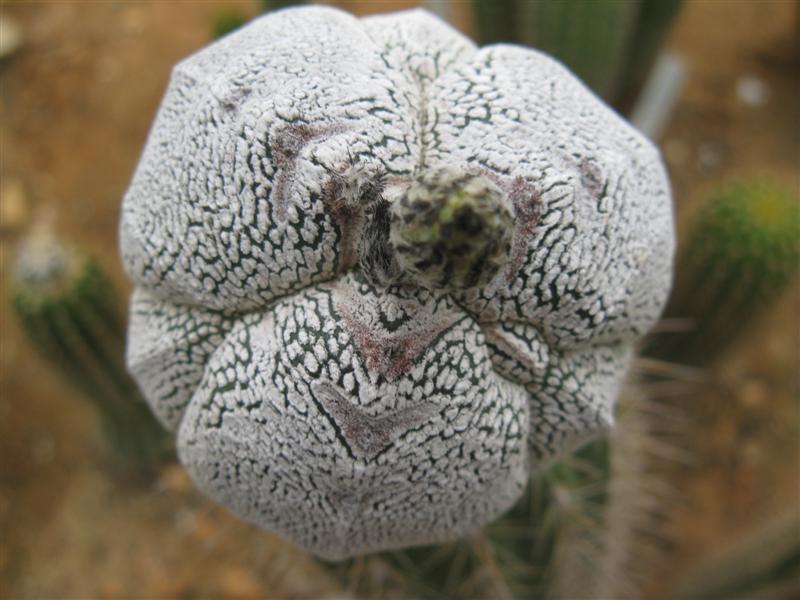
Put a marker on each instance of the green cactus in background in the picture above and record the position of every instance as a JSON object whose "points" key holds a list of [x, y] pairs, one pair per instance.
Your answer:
{"points": [[230, 19], [227, 21], [653, 22], [609, 44], [495, 22], [270, 5], [741, 253], [67, 307], [589, 36]]}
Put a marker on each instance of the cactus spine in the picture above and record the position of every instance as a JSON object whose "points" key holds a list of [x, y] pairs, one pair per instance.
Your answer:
{"points": [[742, 251], [616, 556], [66, 306]]}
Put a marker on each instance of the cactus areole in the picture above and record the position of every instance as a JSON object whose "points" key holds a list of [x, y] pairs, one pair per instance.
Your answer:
{"points": [[382, 274]]}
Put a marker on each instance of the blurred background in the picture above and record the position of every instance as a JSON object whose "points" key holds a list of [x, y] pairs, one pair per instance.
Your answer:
{"points": [[92, 504]]}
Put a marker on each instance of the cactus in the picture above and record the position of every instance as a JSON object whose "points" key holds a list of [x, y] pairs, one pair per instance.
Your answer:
{"points": [[590, 37], [311, 394], [67, 307], [270, 5], [495, 21], [616, 556], [514, 557], [591, 526], [610, 44], [227, 21], [230, 19], [653, 22], [742, 251]]}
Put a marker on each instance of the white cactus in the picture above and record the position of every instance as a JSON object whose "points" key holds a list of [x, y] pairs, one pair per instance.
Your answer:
{"points": [[318, 387]]}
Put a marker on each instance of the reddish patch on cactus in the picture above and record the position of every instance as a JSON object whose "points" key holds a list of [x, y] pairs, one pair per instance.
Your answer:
{"points": [[591, 177], [287, 145], [527, 205], [387, 353], [365, 434]]}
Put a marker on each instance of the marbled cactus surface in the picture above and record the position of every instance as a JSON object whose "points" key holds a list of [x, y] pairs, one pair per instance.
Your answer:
{"points": [[383, 274]]}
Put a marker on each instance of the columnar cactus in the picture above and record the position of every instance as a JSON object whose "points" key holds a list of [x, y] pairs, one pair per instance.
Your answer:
{"points": [[742, 251], [66, 306], [382, 274], [609, 44], [231, 19], [268, 5], [592, 37], [654, 20]]}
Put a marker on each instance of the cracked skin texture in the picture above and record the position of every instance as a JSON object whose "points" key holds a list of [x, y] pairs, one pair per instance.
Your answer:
{"points": [[346, 415]]}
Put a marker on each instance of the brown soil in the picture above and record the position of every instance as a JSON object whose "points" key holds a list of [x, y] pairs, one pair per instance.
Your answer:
{"points": [[75, 106], [743, 441]]}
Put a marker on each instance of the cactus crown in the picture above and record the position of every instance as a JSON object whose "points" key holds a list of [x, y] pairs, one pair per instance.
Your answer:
{"points": [[451, 229]]}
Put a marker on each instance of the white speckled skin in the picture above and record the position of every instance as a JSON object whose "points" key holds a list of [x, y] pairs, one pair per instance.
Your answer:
{"points": [[346, 416]]}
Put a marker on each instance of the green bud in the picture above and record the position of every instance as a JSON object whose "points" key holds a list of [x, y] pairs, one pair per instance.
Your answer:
{"points": [[451, 230]]}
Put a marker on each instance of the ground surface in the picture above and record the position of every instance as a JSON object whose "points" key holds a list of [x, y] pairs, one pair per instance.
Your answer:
{"points": [[75, 106]]}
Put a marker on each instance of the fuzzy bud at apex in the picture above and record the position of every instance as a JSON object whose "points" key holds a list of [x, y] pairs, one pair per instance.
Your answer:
{"points": [[451, 229]]}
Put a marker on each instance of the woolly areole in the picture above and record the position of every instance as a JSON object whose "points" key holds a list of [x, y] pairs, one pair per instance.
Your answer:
{"points": [[382, 274]]}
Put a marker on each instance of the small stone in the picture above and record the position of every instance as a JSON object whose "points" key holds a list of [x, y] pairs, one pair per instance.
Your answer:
{"points": [[174, 480], [204, 528], [752, 91], [10, 36], [13, 205], [237, 582], [753, 394], [710, 155], [43, 265]]}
